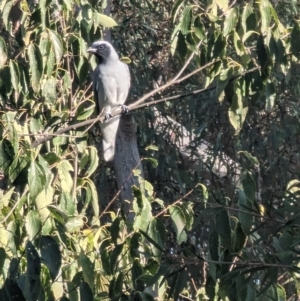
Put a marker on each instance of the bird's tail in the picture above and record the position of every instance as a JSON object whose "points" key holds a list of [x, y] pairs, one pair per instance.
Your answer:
{"points": [[109, 131]]}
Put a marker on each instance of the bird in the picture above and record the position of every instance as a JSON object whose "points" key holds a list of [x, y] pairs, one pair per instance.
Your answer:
{"points": [[111, 84]]}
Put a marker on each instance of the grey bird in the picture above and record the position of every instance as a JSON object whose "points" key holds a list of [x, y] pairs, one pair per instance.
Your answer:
{"points": [[111, 85]]}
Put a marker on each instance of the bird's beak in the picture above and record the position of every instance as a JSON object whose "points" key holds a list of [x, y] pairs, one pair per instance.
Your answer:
{"points": [[91, 50]]}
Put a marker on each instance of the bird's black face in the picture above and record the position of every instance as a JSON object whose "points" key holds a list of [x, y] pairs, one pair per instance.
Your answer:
{"points": [[100, 50]]}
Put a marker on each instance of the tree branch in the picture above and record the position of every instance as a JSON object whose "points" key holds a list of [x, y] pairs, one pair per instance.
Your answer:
{"points": [[140, 103]]}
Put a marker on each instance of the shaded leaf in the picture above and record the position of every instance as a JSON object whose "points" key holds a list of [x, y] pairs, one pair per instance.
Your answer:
{"points": [[223, 228], [32, 281], [86, 293], [51, 255], [178, 220], [295, 40], [87, 270]]}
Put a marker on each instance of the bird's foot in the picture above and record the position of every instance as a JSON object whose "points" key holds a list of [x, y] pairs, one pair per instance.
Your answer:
{"points": [[124, 109], [107, 115]]}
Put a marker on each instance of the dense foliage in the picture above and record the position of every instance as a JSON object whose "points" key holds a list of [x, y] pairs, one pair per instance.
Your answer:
{"points": [[195, 235]]}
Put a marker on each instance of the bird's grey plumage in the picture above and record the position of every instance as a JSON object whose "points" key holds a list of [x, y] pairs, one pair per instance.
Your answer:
{"points": [[111, 86]]}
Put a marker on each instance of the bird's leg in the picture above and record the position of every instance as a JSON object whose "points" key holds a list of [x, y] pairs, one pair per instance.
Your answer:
{"points": [[124, 109], [107, 115]]}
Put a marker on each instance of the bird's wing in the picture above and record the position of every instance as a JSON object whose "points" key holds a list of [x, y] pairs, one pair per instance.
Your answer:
{"points": [[105, 90], [123, 79], [96, 90]]}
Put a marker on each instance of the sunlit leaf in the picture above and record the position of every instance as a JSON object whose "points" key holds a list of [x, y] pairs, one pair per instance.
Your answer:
{"points": [[56, 44], [33, 224], [3, 53], [35, 63], [230, 21]]}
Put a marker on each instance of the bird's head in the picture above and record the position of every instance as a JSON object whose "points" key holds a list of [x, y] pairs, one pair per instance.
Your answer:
{"points": [[104, 51]]}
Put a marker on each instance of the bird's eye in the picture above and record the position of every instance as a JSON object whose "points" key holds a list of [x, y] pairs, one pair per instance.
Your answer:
{"points": [[101, 47]]}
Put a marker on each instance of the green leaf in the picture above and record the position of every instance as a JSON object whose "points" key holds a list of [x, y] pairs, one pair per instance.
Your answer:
{"points": [[222, 82], [14, 75], [33, 281], [6, 154], [134, 245], [178, 220], [223, 228], [281, 294], [18, 168], [86, 17], [36, 179], [104, 20], [51, 255], [12, 234], [59, 215], [11, 291], [56, 44], [261, 52], [214, 250], [181, 45], [230, 22], [49, 90], [114, 257], [136, 272], [66, 203], [43, 8], [105, 256], [126, 60], [265, 8], [119, 283], [33, 224], [74, 224], [246, 219], [295, 40], [240, 238], [153, 161], [92, 195], [35, 63], [2, 258], [115, 229], [249, 186], [157, 232], [85, 291], [142, 209], [64, 168], [199, 28], [93, 161], [152, 147], [186, 20], [175, 9], [85, 112], [248, 10], [253, 160], [238, 109], [3, 53], [6, 13], [88, 270]]}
